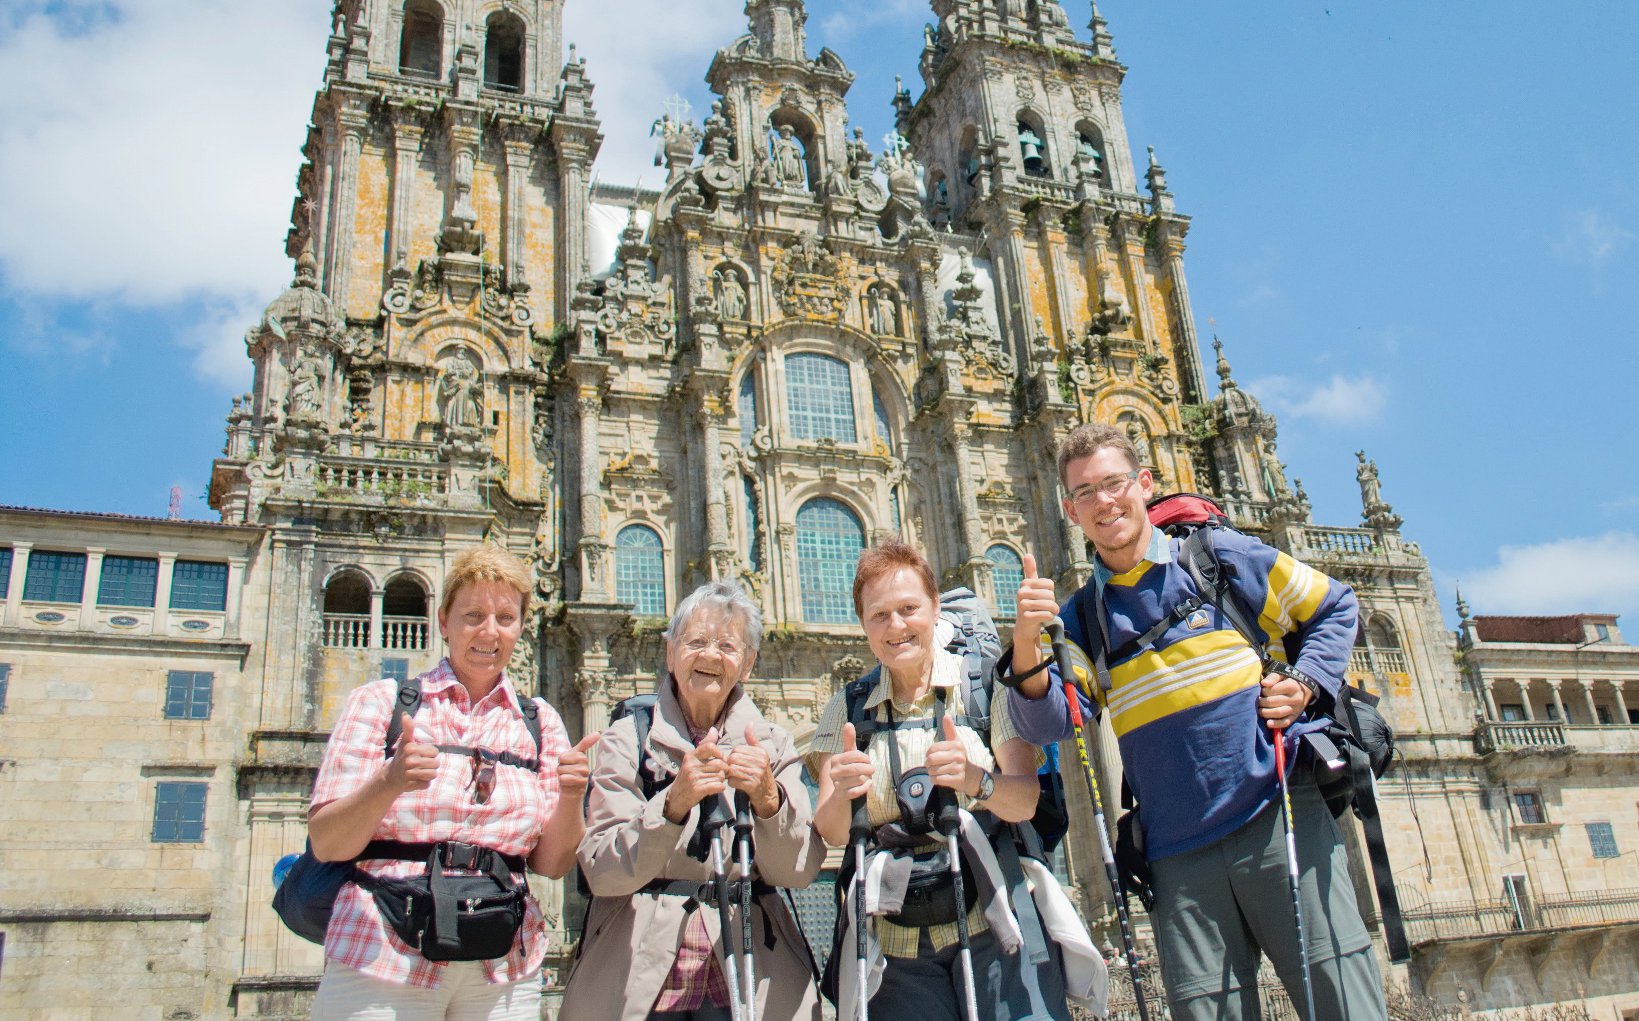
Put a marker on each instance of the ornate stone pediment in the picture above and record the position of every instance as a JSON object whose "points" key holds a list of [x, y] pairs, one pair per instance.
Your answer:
{"points": [[636, 319], [968, 331], [458, 283], [808, 280]]}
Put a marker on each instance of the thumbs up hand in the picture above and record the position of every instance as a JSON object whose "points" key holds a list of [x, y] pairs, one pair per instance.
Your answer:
{"points": [[947, 762], [414, 764], [575, 767], [750, 770], [850, 769], [702, 773], [1038, 604]]}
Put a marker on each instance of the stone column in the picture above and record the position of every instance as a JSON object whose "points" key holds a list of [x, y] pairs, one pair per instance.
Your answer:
{"points": [[376, 639], [351, 122], [1587, 698], [1188, 348], [966, 495], [236, 594], [595, 697], [518, 150], [720, 551], [89, 587], [1621, 704], [1490, 703], [1559, 705], [162, 594], [1525, 701], [14, 586], [1130, 238], [1058, 273], [595, 585], [407, 139]]}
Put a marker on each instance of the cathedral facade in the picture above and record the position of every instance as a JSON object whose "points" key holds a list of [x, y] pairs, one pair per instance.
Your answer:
{"points": [[795, 346]]}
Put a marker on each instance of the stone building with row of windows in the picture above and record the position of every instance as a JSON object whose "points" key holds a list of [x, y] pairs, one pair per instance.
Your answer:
{"points": [[794, 346]]}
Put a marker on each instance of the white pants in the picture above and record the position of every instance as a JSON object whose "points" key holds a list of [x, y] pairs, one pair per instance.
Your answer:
{"points": [[347, 994]]}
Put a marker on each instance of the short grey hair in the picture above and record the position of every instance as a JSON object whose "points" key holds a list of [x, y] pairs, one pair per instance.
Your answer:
{"points": [[726, 598]]}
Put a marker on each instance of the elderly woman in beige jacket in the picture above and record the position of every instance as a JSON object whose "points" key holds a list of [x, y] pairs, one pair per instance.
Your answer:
{"points": [[651, 950]]}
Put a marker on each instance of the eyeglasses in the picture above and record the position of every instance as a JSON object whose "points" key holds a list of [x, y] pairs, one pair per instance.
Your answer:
{"points": [[728, 647], [1111, 487]]}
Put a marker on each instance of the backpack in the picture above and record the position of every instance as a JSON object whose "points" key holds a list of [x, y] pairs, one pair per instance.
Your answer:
{"points": [[305, 897], [1357, 744], [980, 647]]}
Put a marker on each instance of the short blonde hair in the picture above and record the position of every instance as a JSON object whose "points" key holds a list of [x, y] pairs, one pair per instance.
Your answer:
{"points": [[488, 562]]}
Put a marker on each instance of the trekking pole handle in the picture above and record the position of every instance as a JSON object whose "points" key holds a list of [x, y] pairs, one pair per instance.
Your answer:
{"points": [[859, 827], [948, 816], [1067, 676], [742, 813], [714, 813]]}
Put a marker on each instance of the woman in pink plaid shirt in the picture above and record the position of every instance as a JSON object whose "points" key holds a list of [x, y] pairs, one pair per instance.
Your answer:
{"points": [[428, 792]]}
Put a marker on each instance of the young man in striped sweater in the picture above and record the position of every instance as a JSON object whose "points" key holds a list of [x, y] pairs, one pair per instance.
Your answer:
{"points": [[1196, 718]]}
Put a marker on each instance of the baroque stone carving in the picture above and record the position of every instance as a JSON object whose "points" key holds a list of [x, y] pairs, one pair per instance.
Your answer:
{"points": [[807, 280]]}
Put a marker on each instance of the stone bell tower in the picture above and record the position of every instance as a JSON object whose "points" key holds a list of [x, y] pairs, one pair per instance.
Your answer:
{"points": [[1020, 127], [400, 410]]}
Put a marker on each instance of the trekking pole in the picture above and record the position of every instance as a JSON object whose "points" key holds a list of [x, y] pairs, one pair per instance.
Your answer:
{"points": [[950, 820], [742, 835], [859, 833], [1292, 881], [1061, 655], [715, 818]]}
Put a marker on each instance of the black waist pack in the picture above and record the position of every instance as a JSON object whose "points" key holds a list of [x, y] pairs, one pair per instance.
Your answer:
{"points": [[455, 917], [930, 895]]}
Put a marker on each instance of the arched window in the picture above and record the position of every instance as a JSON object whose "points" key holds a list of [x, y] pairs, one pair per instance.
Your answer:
{"points": [[421, 44], [504, 53], [745, 407], [820, 398], [404, 614], [1382, 634], [829, 540], [640, 571], [1006, 572], [1090, 152], [1033, 147], [347, 611]]}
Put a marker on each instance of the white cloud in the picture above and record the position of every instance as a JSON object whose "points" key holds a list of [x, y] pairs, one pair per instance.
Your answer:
{"points": [[1594, 574], [1342, 400], [217, 339], [149, 147], [850, 18], [636, 59], [1590, 237]]}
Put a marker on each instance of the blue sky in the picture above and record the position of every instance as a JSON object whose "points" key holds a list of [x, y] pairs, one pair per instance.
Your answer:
{"points": [[1416, 230]]}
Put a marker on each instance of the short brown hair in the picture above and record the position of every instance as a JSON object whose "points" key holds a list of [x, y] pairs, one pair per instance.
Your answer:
{"points": [[889, 555], [488, 562], [1087, 440]]}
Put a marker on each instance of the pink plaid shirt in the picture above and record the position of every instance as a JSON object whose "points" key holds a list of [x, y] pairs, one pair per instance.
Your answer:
{"points": [[509, 822], [696, 979]]}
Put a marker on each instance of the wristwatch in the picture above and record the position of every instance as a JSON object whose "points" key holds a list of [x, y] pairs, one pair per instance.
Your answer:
{"points": [[987, 785]]}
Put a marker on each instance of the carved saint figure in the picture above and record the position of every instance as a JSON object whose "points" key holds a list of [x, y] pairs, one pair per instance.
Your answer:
{"points": [[1140, 437], [462, 392], [731, 294], [1371, 493], [304, 388], [884, 312], [859, 155], [786, 157]]}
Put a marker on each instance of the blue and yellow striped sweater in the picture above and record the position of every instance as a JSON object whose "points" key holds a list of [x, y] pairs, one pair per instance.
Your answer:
{"points": [[1184, 710]]}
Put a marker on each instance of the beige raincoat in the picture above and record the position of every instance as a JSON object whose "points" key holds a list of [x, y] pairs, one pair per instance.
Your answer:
{"points": [[631, 938]]}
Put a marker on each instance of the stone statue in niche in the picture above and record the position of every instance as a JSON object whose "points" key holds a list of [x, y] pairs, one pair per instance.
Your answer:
{"points": [[731, 294], [304, 401], [786, 157], [462, 392], [884, 312], [1141, 442]]}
